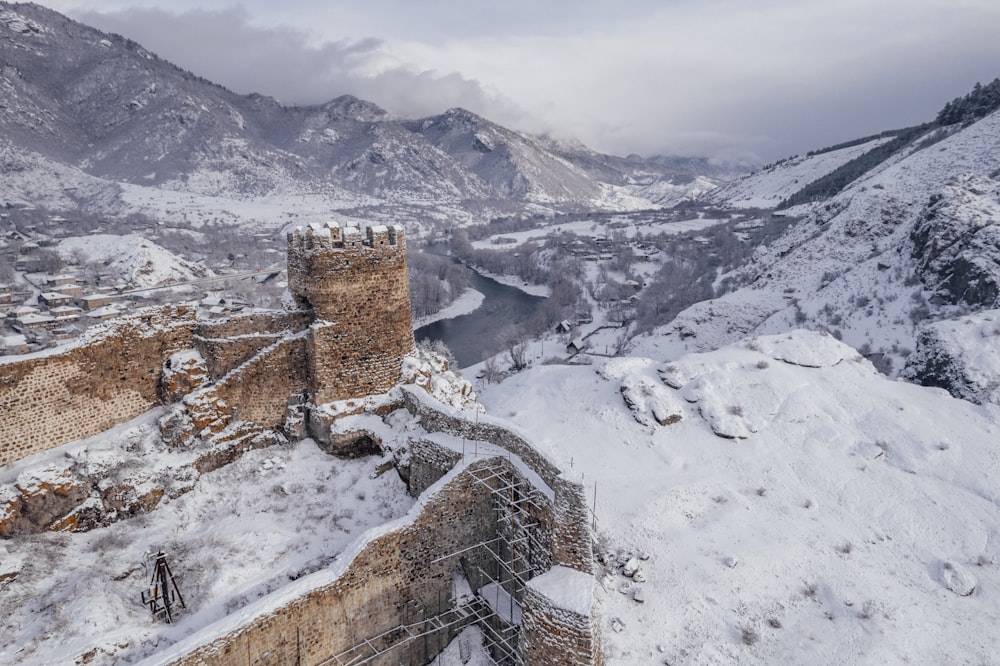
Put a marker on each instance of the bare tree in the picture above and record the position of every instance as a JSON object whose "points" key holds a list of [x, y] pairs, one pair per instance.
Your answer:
{"points": [[512, 339], [491, 370]]}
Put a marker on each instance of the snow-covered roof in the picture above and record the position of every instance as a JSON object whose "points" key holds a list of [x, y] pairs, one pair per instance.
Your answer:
{"points": [[106, 312], [30, 319]]}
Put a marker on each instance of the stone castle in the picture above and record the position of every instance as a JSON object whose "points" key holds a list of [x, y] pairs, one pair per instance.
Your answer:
{"points": [[345, 338], [241, 382]]}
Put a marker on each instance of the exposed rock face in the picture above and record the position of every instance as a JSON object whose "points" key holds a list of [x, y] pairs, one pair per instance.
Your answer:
{"points": [[957, 242], [961, 356]]}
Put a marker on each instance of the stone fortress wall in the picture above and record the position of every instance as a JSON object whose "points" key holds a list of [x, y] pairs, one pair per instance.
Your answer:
{"points": [[394, 601], [355, 326], [347, 339], [50, 399]]}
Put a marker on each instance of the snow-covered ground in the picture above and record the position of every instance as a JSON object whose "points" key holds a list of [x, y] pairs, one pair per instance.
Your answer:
{"points": [[464, 304], [243, 531], [804, 510], [595, 229]]}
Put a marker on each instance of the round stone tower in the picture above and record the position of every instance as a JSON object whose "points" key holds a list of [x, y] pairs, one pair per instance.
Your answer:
{"points": [[357, 287]]}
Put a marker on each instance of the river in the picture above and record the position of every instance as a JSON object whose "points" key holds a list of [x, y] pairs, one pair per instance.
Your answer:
{"points": [[475, 336]]}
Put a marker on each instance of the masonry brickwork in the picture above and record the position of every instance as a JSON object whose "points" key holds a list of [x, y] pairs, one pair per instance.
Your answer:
{"points": [[357, 286], [228, 343], [555, 636], [52, 399], [400, 578]]}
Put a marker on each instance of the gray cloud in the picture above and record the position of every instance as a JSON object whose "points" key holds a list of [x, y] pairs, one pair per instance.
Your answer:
{"points": [[710, 77], [225, 47]]}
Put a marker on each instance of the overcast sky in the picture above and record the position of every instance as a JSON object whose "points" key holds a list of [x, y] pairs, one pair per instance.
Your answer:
{"points": [[720, 78]]}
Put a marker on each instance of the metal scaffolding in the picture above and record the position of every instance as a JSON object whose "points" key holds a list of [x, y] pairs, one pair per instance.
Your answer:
{"points": [[510, 552]]}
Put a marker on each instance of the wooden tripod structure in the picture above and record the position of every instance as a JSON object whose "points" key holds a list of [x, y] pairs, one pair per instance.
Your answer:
{"points": [[163, 591]]}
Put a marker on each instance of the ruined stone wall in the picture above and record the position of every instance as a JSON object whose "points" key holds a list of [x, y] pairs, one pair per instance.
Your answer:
{"points": [[404, 576], [358, 288], [48, 400], [537, 534], [555, 636], [428, 463], [228, 343], [396, 579], [259, 390], [573, 545]]}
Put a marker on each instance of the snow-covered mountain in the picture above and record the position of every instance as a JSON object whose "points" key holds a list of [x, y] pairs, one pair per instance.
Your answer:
{"points": [[916, 240], [101, 106], [771, 186]]}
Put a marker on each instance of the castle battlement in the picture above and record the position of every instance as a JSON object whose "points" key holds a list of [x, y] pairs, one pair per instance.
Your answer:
{"points": [[332, 237]]}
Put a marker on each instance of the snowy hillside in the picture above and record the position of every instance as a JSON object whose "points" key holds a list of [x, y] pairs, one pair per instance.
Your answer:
{"points": [[667, 193], [804, 509], [104, 106], [912, 243], [771, 186], [961, 355], [137, 262]]}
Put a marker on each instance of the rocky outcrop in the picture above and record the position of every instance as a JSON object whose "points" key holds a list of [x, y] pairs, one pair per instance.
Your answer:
{"points": [[961, 356], [957, 243]]}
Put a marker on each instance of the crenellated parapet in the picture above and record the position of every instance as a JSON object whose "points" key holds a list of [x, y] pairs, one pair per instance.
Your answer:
{"points": [[331, 237]]}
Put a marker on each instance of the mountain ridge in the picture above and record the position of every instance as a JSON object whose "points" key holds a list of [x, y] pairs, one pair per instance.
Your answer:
{"points": [[103, 104]]}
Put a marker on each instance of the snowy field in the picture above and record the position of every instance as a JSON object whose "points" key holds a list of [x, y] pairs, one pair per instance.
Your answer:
{"points": [[805, 510], [589, 228], [263, 212]]}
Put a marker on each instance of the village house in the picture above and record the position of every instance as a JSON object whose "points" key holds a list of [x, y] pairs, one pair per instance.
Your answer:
{"points": [[33, 322], [54, 299], [92, 302], [22, 310], [53, 282], [63, 284], [104, 313], [63, 333], [66, 312]]}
